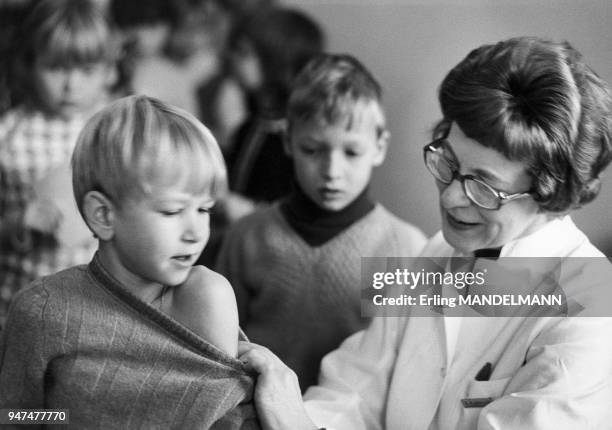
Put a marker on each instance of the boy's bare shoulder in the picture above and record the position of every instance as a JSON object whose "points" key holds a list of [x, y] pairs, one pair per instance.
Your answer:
{"points": [[205, 303], [204, 286]]}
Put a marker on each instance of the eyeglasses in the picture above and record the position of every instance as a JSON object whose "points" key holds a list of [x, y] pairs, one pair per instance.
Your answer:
{"points": [[441, 163]]}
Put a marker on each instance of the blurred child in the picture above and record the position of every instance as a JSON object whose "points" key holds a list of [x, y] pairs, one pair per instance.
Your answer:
{"points": [[66, 69], [296, 266], [167, 47], [266, 50], [144, 24], [139, 338]]}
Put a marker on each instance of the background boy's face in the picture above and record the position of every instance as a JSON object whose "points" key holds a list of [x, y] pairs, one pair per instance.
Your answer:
{"points": [[333, 163], [68, 91], [158, 236]]}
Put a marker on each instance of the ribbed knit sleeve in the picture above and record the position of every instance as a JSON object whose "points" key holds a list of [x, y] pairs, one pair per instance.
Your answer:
{"points": [[23, 353], [76, 340]]}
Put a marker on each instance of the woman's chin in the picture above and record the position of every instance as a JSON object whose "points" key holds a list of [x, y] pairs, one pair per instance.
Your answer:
{"points": [[465, 240]]}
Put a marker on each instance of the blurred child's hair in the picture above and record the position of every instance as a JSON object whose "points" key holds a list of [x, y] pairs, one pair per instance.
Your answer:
{"points": [[329, 89], [134, 13], [137, 140], [12, 16], [63, 34], [284, 40]]}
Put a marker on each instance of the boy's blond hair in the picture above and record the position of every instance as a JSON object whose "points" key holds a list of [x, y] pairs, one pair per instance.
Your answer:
{"points": [[137, 139], [330, 88]]}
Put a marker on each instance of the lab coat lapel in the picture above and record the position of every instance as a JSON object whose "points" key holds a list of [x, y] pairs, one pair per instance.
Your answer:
{"points": [[418, 388]]}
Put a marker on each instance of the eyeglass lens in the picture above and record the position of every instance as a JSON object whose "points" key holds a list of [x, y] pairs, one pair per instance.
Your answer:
{"points": [[443, 169]]}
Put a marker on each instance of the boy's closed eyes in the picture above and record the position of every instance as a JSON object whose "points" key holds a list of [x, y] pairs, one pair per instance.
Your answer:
{"points": [[172, 209]]}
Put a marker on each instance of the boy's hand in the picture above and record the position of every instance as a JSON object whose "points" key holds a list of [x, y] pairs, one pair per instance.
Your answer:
{"points": [[42, 215]]}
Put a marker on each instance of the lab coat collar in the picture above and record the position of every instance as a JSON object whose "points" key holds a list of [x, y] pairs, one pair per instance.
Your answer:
{"points": [[557, 238]]}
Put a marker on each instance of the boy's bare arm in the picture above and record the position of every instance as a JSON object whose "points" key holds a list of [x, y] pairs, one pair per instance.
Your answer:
{"points": [[205, 303]]}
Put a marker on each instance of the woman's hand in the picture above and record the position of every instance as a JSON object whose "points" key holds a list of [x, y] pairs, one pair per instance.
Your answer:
{"points": [[278, 398]]}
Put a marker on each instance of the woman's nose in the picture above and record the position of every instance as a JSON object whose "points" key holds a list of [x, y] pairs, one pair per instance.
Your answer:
{"points": [[453, 195]]}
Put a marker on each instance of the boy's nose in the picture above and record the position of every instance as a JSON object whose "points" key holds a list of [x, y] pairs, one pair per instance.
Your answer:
{"points": [[195, 228], [332, 166], [453, 195]]}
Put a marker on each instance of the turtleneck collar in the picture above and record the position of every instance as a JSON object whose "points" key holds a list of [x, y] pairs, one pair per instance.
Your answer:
{"points": [[490, 253], [317, 225]]}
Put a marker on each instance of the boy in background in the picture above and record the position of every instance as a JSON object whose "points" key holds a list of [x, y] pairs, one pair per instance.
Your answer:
{"points": [[296, 266], [138, 338]]}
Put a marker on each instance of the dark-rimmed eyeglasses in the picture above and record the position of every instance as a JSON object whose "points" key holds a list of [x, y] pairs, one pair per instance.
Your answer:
{"points": [[442, 164]]}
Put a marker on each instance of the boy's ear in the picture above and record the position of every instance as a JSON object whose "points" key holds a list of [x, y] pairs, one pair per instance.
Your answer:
{"points": [[99, 214], [382, 143]]}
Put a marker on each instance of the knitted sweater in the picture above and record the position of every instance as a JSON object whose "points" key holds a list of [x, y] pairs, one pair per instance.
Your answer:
{"points": [[77, 340], [302, 301]]}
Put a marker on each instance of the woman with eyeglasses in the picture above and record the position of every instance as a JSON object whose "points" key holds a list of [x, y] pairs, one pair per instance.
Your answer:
{"points": [[525, 135]]}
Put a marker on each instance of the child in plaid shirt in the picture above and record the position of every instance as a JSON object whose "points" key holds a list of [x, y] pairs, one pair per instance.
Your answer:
{"points": [[67, 60]]}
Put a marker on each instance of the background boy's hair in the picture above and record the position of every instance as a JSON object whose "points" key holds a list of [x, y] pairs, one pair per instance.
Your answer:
{"points": [[138, 139], [64, 33], [329, 87]]}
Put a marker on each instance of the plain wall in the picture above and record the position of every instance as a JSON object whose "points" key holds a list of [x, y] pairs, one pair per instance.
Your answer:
{"points": [[410, 46]]}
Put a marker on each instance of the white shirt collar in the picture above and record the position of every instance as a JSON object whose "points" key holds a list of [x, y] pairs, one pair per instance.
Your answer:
{"points": [[557, 238]]}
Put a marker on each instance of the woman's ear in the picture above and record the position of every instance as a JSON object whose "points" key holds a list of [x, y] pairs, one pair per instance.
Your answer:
{"points": [[99, 214]]}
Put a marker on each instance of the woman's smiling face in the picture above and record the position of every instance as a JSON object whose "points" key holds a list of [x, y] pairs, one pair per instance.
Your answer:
{"points": [[468, 227]]}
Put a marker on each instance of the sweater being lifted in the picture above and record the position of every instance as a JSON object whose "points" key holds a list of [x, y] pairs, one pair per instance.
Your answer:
{"points": [[77, 340]]}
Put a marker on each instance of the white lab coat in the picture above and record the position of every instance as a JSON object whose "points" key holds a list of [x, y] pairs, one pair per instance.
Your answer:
{"points": [[411, 373]]}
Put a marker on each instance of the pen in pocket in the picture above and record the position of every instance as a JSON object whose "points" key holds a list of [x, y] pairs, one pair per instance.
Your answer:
{"points": [[484, 374]]}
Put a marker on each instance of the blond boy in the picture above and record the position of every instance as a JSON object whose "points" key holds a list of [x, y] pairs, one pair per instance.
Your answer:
{"points": [[138, 338]]}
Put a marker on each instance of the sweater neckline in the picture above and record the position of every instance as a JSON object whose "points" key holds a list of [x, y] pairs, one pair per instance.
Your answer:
{"points": [[317, 226], [187, 337]]}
